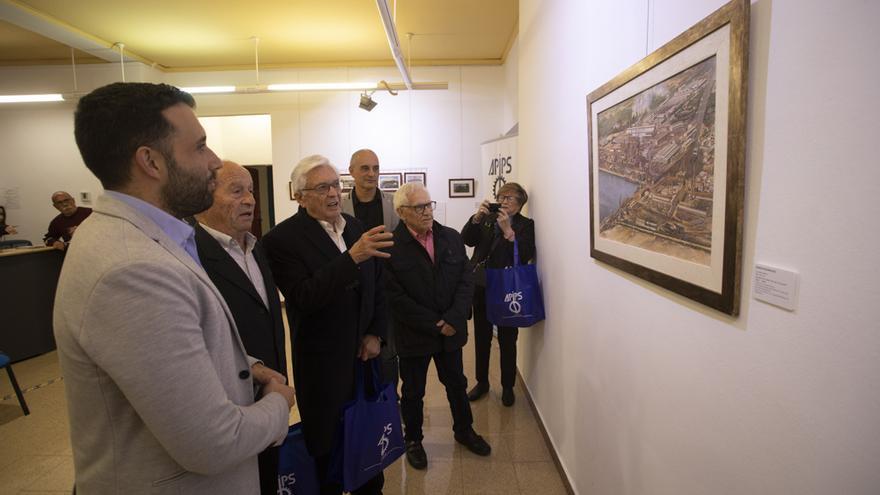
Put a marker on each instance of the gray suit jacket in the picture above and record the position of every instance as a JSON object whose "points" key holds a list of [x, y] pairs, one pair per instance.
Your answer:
{"points": [[389, 216], [158, 386]]}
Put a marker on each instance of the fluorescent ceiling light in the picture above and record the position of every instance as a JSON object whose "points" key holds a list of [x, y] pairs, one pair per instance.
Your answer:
{"points": [[30, 98], [343, 86], [209, 89]]}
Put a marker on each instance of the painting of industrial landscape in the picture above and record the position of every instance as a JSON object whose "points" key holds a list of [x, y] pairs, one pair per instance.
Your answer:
{"points": [[656, 153]]}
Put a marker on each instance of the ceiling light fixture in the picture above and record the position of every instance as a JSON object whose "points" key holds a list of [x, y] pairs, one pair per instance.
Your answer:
{"points": [[31, 98], [393, 41], [340, 86], [367, 103], [199, 90]]}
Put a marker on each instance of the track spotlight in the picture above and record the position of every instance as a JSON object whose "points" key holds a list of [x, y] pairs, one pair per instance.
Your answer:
{"points": [[367, 102]]}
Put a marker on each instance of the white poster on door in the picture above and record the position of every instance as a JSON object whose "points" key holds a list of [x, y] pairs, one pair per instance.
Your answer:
{"points": [[499, 166]]}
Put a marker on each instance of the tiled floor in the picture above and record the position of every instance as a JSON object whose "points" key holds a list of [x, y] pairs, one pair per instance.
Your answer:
{"points": [[35, 455]]}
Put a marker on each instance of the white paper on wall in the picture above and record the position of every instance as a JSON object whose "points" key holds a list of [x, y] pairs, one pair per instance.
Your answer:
{"points": [[11, 198]]}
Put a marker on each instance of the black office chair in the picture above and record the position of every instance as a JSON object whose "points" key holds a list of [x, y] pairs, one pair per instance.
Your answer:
{"points": [[6, 363]]}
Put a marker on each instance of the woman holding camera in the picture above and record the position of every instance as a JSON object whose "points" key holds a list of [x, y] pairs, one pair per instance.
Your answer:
{"points": [[491, 232]]}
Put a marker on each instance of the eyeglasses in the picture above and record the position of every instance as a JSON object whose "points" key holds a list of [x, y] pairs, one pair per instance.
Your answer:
{"points": [[502, 199], [67, 201], [324, 188], [421, 208]]}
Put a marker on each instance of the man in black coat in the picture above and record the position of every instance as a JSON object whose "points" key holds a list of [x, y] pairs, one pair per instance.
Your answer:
{"points": [[430, 287], [326, 267], [238, 267]]}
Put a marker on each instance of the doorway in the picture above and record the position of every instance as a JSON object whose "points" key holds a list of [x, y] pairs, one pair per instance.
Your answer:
{"points": [[264, 211]]}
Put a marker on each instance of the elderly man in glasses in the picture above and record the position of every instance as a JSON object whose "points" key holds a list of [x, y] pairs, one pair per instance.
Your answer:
{"points": [[429, 288], [61, 227], [327, 268]]}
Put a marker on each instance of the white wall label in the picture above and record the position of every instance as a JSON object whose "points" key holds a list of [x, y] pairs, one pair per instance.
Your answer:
{"points": [[776, 286]]}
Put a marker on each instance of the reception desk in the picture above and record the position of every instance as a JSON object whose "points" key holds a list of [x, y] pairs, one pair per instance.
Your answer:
{"points": [[28, 277]]}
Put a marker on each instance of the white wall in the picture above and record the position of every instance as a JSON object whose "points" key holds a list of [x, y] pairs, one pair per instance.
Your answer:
{"points": [[434, 131], [244, 139], [511, 87], [646, 392]]}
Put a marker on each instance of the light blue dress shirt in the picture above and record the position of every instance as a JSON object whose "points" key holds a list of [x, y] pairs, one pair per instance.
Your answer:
{"points": [[179, 231]]}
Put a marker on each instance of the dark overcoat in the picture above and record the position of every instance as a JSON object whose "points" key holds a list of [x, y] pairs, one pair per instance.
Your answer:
{"points": [[331, 304], [491, 249], [261, 328], [421, 292]]}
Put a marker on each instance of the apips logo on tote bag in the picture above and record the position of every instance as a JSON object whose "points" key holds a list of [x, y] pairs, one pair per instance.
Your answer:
{"points": [[296, 468], [513, 294], [372, 437]]}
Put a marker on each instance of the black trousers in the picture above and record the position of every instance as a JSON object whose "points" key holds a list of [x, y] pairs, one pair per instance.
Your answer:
{"points": [[483, 343], [414, 374], [372, 487], [390, 369], [268, 464]]}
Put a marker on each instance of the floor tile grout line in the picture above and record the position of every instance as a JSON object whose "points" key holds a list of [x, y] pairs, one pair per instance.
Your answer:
{"points": [[32, 388]]}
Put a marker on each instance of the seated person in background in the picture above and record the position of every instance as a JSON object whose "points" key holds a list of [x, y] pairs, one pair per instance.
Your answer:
{"points": [[430, 286], [61, 227], [5, 229], [240, 270]]}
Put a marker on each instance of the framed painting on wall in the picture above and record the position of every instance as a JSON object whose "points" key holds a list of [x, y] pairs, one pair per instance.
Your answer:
{"points": [[421, 177], [667, 153], [390, 181], [461, 188], [347, 182]]}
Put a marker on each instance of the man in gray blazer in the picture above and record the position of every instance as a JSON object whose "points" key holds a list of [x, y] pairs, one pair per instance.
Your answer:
{"points": [[159, 388], [373, 208]]}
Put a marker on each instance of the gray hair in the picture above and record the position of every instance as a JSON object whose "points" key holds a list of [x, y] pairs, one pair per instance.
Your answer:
{"points": [[306, 165], [401, 197]]}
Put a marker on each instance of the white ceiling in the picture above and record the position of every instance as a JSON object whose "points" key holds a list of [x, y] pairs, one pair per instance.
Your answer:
{"points": [[190, 35]]}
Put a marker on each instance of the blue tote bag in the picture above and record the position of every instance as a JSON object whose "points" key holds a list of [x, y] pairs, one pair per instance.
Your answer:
{"points": [[296, 468], [513, 295], [371, 434]]}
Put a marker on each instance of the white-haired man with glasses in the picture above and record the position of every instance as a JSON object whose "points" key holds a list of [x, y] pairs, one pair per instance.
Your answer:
{"points": [[429, 286], [327, 268]]}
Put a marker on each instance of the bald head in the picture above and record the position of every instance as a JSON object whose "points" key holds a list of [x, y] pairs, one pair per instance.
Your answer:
{"points": [[233, 209], [364, 168]]}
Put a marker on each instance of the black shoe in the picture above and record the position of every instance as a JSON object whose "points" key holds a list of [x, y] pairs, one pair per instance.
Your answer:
{"points": [[507, 396], [479, 390], [473, 442], [416, 456]]}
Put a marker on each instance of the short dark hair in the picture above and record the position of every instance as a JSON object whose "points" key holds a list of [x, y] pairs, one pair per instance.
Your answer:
{"points": [[516, 189], [112, 121]]}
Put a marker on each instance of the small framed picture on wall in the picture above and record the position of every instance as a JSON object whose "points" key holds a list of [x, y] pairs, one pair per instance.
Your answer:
{"points": [[347, 182], [461, 188], [421, 177], [290, 187], [390, 182]]}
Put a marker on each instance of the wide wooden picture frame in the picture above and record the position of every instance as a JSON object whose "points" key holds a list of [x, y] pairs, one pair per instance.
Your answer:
{"points": [[667, 161]]}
